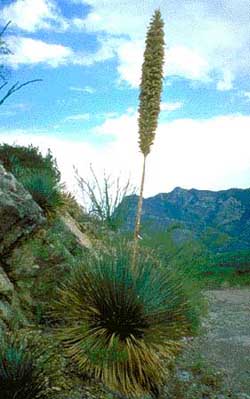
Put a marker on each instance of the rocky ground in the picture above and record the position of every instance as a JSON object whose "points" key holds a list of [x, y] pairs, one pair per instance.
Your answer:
{"points": [[216, 365], [227, 341]]}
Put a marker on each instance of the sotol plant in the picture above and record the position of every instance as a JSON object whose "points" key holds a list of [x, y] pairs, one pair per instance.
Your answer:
{"points": [[44, 190], [119, 325], [149, 107], [19, 376], [121, 320], [39, 174]]}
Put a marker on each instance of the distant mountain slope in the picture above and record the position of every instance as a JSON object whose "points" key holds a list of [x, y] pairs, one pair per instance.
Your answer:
{"points": [[221, 219]]}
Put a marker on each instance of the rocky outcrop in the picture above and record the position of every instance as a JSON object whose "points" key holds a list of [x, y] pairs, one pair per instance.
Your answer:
{"points": [[19, 213], [19, 217], [81, 238], [11, 313], [6, 287], [35, 253]]}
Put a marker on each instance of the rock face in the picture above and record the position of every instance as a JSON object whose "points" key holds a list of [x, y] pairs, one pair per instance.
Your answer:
{"points": [[80, 237], [19, 214], [32, 257], [6, 287], [223, 215]]}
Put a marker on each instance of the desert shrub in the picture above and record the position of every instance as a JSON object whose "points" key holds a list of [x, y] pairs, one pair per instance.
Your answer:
{"points": [[102, 198], [16, 159], [121, 324], [44, 190], [19, 376]]}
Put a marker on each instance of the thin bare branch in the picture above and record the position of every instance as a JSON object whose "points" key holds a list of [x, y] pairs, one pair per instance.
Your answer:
{"points": [[4, 28], [3, 85], [16, 87], [103, 197]]}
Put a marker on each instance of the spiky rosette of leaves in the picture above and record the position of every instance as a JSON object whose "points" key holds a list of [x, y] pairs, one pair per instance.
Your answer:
{"points": [[151, 83], [19, 376], [44, 190], [120, 324]]}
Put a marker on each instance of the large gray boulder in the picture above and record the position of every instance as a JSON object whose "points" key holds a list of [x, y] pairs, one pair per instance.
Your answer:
{"points": [[19, 213]]}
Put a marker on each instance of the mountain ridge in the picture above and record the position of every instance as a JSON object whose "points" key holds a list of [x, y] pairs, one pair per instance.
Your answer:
{"points": [[223, 213]]}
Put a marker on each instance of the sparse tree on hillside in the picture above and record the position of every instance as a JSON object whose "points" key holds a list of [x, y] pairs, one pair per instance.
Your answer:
{"points": [[5, 51], [150, 96]]}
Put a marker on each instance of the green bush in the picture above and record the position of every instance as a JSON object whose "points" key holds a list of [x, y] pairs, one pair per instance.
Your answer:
{"points": [[16, 159], [19, 376], [44, 190], [38, 174], [121, 325]]}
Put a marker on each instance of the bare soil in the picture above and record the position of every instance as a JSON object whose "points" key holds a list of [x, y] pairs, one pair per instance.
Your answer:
{"points": [[216, 363], [226, 341]]}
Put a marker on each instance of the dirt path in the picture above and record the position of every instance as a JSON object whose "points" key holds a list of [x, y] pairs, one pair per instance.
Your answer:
{"points": [[216, 364], [226, 343]]}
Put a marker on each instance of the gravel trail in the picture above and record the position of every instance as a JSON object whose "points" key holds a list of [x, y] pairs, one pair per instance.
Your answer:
{"points": [[226, 342]]}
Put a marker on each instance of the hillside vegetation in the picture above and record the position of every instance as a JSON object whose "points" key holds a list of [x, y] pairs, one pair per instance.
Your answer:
{"points": [[76, 319], [62, 279]]}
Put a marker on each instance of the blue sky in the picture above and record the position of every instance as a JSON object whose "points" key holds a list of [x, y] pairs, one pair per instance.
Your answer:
{"points": [[89, 55]]}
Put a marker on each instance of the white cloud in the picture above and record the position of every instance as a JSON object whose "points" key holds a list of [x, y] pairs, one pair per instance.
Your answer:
{"points": [[78, 117], [32, 15], [171, 106], [117, 17], [179, 61], [86, 89], [33, 51], [107, 50], [182, 61], [130, 110], [205, 39], [226, 83], [114, 22], [130, 56], [205, 154], [117, 126], [187, 63]]}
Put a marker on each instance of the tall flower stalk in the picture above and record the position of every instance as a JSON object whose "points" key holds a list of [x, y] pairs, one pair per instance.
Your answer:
{"points": [[149, 106]]}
